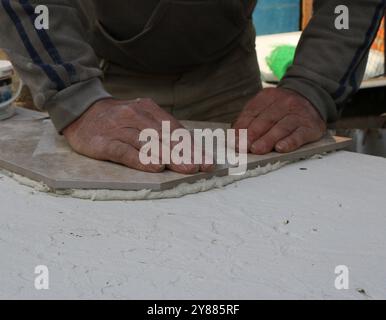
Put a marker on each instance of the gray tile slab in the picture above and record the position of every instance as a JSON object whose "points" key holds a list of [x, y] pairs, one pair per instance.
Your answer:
{"points": [[32, 148]]}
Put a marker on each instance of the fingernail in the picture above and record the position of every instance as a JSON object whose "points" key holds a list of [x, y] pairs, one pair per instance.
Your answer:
{"points": [[190, 169], [282, 146], [207, 168], [258, 147], [156, 168]]}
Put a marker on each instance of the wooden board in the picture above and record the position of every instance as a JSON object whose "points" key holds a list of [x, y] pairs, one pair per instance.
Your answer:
{"points": [[307, 10], [32, 148], [374, 83]]}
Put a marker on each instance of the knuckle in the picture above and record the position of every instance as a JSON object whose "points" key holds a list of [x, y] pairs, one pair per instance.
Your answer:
{"points": [[147, 102], [302, 133], [266, 146], [292, 101], [96, 147], [283, 130], [254, 132], [322, 126], [130, 111], [265, 122], [309, 123], [293, 143]]}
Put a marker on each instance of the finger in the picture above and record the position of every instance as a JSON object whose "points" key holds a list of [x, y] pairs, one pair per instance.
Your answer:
{"points": [[279, 131], [146, 122], [183, 141], [158, 114], [202, 156], [207, 167], [132, 136], [208, 161], [132, 115], [254, 107], [129, 136], [264, 123], [143, 122], [123, 153], [184, 168], [297, 139], [150, 115]]}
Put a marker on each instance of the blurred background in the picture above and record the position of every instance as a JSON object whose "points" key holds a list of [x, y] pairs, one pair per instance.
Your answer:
{"points": [[363, 117], [286, 15]]}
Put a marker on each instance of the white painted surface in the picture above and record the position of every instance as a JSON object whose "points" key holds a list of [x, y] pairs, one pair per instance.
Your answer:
{"points": [[267, 43], [232, 243]]}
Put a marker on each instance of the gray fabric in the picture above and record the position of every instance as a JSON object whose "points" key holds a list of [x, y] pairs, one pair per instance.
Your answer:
{"points": [[330, 63], [216, 92], [327, 69]]}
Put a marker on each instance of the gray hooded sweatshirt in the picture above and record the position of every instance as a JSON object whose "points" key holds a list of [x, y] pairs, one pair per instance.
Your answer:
{"points": [[61, 65]]}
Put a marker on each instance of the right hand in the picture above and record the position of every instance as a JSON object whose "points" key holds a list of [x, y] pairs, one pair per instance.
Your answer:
{"points": [[109, 130]]}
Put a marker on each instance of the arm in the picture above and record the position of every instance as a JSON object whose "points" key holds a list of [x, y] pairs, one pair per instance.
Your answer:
{"points": [[57, 64], [330, 63], [328, 68], [61, 69]]}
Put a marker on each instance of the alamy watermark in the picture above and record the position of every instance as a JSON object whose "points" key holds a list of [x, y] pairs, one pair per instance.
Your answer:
{"points": [[42, 19], [342, 281], [342, 21], [42, 279], [199, 146]]}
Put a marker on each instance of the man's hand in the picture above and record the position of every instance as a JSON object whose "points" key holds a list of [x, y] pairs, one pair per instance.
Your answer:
{"points": [[281, 120], [109, 130]]}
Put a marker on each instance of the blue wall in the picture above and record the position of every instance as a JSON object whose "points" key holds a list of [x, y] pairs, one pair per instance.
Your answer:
{"points": [[275, 16]]}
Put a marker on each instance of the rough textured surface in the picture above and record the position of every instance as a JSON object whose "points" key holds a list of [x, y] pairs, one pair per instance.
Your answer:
{"points": [[276, 236]]}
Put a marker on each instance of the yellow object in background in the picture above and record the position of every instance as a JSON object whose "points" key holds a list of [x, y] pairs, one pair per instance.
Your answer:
{"points": [[379, 43], [376, 61]]}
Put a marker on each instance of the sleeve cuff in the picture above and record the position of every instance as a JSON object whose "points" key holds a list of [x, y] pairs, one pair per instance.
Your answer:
{"points": [[319, 97], [69, 104]]}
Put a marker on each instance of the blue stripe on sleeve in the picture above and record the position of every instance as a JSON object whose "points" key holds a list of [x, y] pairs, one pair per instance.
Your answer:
{"points": [[46, 41], [350, 74], [48, 70]]}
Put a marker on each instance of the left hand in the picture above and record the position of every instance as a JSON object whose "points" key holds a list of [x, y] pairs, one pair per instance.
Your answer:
{"points": [[280, 119]]}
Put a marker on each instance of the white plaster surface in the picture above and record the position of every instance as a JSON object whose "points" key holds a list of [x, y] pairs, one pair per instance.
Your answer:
{"points": [[279, 235]]}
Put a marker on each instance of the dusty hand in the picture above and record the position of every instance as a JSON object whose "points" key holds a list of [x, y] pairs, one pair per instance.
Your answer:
{"points": [[281, 120], [109, 130]]}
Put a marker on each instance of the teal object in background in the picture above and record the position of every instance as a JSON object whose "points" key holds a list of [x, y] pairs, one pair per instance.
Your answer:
{"points": [[276, 16]]}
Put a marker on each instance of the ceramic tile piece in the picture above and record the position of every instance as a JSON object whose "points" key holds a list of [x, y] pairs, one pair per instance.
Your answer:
{"points": [[32, 148]]}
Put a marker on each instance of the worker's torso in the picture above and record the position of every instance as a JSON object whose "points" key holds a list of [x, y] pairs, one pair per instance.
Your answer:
{"points": [[168, 36]]}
